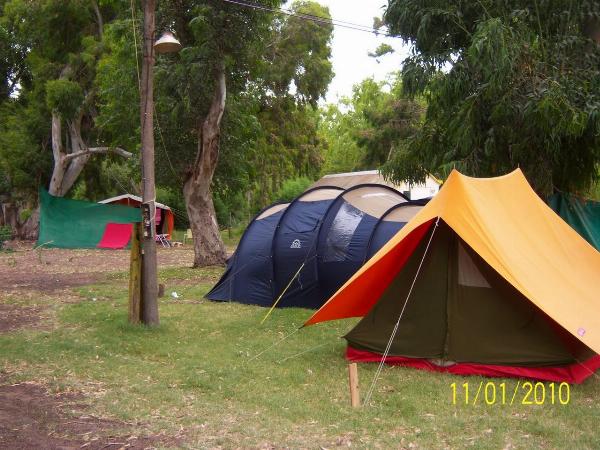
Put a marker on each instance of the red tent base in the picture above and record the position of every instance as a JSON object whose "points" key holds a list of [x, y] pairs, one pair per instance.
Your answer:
{"points": [[573, 373]]}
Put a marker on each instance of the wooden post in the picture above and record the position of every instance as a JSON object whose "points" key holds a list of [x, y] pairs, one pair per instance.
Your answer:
{"points": [[135, 277], [353, 380]]}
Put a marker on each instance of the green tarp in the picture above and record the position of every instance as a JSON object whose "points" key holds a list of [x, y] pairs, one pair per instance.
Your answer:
{"points": [[583, 215], [66, 223]]}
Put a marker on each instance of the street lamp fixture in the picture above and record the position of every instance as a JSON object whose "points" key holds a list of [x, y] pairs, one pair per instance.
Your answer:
{"points": [[167, 43]]}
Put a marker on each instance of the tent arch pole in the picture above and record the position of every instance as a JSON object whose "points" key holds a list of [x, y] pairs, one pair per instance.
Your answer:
{"points": [[384, 215], [278, 226], [341, 196]]}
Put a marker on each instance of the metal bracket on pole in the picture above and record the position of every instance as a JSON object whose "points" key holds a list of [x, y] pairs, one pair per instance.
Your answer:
{"points": [[147, 220]]}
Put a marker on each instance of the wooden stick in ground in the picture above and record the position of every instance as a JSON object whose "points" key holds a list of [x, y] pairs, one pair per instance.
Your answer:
{"points": [[353, 380], [135, 277]]}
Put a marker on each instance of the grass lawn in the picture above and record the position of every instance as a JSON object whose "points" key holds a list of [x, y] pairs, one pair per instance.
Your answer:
{"points": [[196, 374]]}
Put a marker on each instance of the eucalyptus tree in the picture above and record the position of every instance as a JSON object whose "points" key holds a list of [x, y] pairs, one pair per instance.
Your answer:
{"points": [[63, 41], [511, 83], [295, 75], [220, 40], [231, 80]]}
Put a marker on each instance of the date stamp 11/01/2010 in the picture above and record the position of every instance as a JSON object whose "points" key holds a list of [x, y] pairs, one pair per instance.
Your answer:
{"points": [[523, 393]]}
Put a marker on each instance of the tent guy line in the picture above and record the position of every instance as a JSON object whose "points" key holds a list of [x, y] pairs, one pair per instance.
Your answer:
{"points": [[274, 345], [393, 335]]}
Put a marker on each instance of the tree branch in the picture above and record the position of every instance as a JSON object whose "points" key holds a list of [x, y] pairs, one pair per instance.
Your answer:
{"points": [[98, 19], [96, 150], [57, 149]]}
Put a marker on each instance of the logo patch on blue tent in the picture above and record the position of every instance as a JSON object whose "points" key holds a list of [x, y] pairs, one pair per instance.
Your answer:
{"points": [[296, 244]]}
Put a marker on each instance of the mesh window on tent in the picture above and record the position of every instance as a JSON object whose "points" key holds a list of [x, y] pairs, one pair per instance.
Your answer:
{"points": [[340, 234]]}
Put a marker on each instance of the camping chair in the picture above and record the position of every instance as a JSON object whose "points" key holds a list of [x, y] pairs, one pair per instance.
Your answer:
{"points": [[188, 235], [163, 239]]}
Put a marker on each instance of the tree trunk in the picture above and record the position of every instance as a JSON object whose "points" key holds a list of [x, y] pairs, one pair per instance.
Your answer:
{"points": [[29, 230], [69, 164], [9, 211], [208, 246]]}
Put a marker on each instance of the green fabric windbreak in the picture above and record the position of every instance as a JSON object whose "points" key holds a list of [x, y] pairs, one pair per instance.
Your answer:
{"points": [[461, 310], [583, 215], [66, 223]]}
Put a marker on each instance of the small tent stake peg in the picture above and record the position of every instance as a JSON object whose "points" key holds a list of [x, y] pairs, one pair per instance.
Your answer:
{"points": [[353, 380]]}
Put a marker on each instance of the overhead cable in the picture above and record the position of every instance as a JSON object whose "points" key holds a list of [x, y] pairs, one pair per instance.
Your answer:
{"points": [[311, 17]]}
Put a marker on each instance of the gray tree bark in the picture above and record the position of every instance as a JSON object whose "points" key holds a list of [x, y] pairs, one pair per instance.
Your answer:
{"points": [[208, 245], [70, 161]]}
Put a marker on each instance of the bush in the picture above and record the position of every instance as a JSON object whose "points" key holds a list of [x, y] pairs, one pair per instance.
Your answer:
{"points": [[292, 188], [24, 215], [6, 234], [174, 199]]}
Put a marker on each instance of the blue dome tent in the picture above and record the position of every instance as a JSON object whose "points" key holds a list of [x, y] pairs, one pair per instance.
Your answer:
{"points": [[308, 248]]}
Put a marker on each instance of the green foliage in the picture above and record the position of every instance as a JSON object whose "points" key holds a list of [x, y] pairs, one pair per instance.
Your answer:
{"points": [[269, 129], [118, 117], [375, 128], [64, 96], [300, 54], [174, 199], [277, 68], [383, 49], [337, 128], [390, 119], [5, 234], [55, 47], [13, 70], [292, 188], [24, 215], [508, 84], [23, 163]]}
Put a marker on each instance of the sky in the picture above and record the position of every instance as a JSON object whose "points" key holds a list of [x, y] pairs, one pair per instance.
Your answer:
{"points": [[350, 48]]}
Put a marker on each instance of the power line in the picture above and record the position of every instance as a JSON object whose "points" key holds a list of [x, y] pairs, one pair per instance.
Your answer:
{"points": [[340, 22], [312, 18]]}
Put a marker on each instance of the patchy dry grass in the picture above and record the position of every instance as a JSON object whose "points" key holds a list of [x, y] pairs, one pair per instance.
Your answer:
{"points": [[195, 376]]}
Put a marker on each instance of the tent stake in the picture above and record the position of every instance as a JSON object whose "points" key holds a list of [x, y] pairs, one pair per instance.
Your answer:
{"points": [[353, 380]]}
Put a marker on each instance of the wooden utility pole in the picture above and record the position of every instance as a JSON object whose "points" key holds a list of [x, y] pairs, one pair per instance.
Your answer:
{"points": [[148, 243]]}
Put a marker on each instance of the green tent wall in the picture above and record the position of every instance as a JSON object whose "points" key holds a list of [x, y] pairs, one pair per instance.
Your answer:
{"points": [[583, 215], [67, 223]]}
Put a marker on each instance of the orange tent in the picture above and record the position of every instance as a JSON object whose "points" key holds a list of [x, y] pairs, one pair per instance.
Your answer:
{"points": [[508, 228]]}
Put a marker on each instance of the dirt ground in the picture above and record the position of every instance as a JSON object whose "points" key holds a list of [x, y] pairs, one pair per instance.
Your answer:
{"points": [[13, 317], [51, 269], [31, 417]]}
